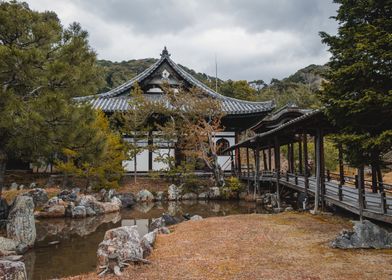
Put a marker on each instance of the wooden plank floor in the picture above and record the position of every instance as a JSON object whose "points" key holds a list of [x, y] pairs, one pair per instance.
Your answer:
{"points": [[349, 198]]}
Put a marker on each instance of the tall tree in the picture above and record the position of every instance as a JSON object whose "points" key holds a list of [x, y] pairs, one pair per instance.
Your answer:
{"points": [[358, 94], [40, 63]]}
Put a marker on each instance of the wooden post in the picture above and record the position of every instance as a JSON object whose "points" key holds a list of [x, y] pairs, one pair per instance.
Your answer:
{"points": [[306, 161], [300, 157], [317, 140], [292, 165], [232, 163], [361, 186], [288, 158], [341, 167], [277, 168], [257, 152], [374, 179], [322, 170], [248, 166], [269, 156], [265, 167]]}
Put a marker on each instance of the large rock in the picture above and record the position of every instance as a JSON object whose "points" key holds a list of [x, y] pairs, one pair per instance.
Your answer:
{"points": [[144, 196], [160, 196], [14, 186], [7, 244], [91, 202], [120, 245], [127, 199], [214, 193], [189, 196], [196, 218], [147, 243], [21, 223], [364, 235], [70, 196], [203, 196], [12, 270], [79, 212], [163, 221], [174, 192], [54, 211], [40, 196], [54, 201]]}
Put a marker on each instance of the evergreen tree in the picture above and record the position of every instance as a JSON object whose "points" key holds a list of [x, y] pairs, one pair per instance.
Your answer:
{"points": [[358, 94], [42, 66]]}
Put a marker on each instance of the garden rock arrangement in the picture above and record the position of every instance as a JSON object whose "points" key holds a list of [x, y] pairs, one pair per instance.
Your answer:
{"points": [[364, 235], [75, 205]]}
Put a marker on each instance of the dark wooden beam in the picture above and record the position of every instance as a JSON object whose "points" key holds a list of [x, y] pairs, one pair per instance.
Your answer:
{"points": [[277, 167], [300, 167], [306, 162]]}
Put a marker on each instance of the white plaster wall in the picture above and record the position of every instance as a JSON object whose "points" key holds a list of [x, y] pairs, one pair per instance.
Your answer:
{"points": [[141, 161], [157, 165], [224, 161]]}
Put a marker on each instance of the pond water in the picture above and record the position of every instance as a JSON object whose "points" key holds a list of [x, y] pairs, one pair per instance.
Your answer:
{"points": [[67, 247]]}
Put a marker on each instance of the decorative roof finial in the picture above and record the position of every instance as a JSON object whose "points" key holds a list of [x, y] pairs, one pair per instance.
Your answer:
{"points": [[165, 52]]}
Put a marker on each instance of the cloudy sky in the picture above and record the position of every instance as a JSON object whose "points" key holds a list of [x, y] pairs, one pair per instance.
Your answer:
{"points": [[252, 39]]}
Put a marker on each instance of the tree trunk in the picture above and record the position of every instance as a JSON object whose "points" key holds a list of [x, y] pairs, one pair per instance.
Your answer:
{"points": [[3, 164], [217, 171]]}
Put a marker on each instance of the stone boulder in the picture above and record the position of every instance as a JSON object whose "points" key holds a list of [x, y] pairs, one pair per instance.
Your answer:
{"points": [[189, 196], [40, 196], [203, 196], [196, 218], [127, 199], [12, 270], [214, 193], [79, 212], [70, 196], [55, 201], [163, 221], [120, 245], [21, 223], [147, 243], [174, 192], [54, 211], [144, 196], [364, 235], [161, 196], [91, 202]]}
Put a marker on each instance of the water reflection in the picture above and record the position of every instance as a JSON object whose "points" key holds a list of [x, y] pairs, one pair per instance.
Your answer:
{"points": [[78, 239]]}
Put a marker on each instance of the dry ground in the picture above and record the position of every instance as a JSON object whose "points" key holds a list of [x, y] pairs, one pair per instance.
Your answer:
{"points": [[284, 246]]}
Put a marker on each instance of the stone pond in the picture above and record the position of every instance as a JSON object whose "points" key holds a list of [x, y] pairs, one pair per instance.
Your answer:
{"points": [[66, 247]]}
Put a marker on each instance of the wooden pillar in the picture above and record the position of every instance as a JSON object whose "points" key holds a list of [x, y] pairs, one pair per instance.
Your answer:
{"points": [[319, 169], [150, 142], [257, 161], [269, 156], [306, 163], [374, 178], [277, 168], [232, 162], [237, 154], [292, 168], [248, 167], [300, 167], [341, 166], [322, 171], [361, 190], [265, 167]]}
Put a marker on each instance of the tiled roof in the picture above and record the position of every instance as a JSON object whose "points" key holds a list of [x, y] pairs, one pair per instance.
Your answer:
{"points": [[114, 100]]}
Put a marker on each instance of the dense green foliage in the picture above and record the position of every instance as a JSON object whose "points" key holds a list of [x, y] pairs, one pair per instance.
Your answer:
{"points": [[42, 67], [358, 96]]}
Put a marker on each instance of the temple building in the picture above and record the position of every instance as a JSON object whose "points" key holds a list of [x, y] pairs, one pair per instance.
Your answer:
{"points": [[239, 114]]}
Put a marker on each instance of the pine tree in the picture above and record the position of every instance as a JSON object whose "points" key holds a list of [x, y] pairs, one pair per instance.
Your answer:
{"points": [[358, 95], [42, 66]]}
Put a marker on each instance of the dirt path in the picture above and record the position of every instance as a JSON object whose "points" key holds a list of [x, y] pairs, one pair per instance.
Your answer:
{"points": [[284, 246]]}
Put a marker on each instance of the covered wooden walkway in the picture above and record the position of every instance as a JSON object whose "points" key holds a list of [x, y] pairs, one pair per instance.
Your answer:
{"points": [[294, 128]]}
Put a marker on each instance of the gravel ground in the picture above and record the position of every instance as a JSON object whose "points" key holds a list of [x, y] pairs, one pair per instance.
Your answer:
{"points": [[259, 246]]}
